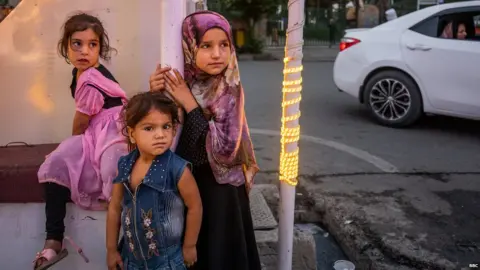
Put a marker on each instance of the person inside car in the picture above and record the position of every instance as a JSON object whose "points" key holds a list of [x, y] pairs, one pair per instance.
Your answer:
{"points": [[456, 31]]}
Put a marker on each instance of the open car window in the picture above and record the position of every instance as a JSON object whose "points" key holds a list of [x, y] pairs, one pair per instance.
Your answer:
{"points": [[434, 25]]}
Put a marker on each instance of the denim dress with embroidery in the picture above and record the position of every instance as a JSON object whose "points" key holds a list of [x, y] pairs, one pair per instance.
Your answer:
{"points": [[153, 214]]}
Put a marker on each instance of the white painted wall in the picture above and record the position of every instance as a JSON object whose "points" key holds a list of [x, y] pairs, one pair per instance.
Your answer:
{"points": [[35, 102], [25, 238]]}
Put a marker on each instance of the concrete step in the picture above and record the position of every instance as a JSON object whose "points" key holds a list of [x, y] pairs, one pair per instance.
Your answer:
{"points": [[263, 218], [23, 229], [266, 233], [22, 219]]}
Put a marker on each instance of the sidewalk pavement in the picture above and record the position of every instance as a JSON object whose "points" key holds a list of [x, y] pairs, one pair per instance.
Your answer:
{"points": [[400, 222], [382, 221], [310, 54]]}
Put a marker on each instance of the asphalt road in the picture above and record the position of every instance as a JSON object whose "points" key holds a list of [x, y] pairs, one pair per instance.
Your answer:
{"points": [[435, 164], [435, 144]]}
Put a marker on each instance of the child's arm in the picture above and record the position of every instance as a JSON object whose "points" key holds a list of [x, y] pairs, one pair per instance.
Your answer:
{"points": [[88, 102], [191, 197], [80, 123], [113, 217]]}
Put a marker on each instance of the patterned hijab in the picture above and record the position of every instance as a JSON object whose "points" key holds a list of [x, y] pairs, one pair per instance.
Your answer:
{"points": [[229, 147]]}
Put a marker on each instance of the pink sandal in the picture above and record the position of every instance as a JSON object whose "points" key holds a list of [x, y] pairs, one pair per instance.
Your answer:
{"points": [[52, 257]]}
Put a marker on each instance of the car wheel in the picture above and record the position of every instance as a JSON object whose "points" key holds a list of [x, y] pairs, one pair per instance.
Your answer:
{"points": [[393, 99]]}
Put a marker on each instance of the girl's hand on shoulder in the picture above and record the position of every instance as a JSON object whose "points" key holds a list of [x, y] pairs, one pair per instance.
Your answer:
{"points": [[114, 260], [178, 88], [157, 79]]}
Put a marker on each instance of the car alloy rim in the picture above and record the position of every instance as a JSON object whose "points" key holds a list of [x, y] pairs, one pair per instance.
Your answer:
{"points": [[390, 99]]}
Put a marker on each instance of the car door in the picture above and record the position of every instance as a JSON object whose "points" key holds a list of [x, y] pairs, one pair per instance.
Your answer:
{"points": [[447, 68]]}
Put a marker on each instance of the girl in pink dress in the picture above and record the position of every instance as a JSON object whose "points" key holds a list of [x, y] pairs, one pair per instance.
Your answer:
{"points": [[83, 166]]}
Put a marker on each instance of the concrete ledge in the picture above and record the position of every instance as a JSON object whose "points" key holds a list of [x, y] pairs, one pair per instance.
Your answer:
{"points": [[23, 226], [266, 233], [23, 234], [262, 216], [304, 253]]}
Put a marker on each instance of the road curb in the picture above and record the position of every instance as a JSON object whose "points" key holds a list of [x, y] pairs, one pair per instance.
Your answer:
{"points": [[346, 220], [266, 234], [303, 254], [270, 57]]}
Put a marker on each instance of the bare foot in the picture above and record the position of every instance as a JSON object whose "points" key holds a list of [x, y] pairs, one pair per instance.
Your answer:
{"points": [[53, 244]]}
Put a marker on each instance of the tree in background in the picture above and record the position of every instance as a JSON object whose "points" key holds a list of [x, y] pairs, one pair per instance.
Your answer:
{"points": [[250, 13]]}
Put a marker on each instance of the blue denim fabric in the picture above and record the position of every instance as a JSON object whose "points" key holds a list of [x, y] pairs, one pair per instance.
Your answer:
{"points": [[153, 214], [175, 261]]}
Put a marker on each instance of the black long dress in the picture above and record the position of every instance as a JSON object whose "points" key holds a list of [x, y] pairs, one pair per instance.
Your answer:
{"points": [[227, 239]]}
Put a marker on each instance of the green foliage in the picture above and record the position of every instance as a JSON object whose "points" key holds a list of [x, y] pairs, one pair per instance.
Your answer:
{"points": [[252, 45], [250, 10], [316, 32]]}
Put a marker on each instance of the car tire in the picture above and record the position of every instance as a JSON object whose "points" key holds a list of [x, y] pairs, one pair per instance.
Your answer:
{"points": [[404, 90]]}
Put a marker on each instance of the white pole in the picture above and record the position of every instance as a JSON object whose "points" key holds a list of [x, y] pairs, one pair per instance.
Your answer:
{"points": [[171, 53], [292, 86], [191, 6], [149, 39]]}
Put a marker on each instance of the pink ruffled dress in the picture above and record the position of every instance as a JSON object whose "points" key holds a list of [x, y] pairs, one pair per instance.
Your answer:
{"points": [[87, 163]]}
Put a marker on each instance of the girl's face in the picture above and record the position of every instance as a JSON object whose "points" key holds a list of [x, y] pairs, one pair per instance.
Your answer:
{"points": [[154, 134], [213, 54], [462, 32], [84, 49]]}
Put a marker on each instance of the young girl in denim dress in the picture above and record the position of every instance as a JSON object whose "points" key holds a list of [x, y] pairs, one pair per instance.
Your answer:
{"points": [[150, 193]]}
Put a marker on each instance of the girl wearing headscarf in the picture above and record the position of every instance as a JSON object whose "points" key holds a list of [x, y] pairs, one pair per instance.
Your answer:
{"points": [[216, 139]]}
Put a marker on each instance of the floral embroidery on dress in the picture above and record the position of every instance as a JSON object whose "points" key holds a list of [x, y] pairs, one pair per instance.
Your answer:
{"points": [[128, 231], [149, 233]]}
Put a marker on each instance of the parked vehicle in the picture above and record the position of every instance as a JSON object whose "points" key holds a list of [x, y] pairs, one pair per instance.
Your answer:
{"points": [[405, 67]]}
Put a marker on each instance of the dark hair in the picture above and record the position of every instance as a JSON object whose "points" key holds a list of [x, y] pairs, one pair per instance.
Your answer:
{"points": [[140, 105], [81, 22]]}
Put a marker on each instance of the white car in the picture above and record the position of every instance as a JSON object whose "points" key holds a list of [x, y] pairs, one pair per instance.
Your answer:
{"points": [[404, 68]]}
